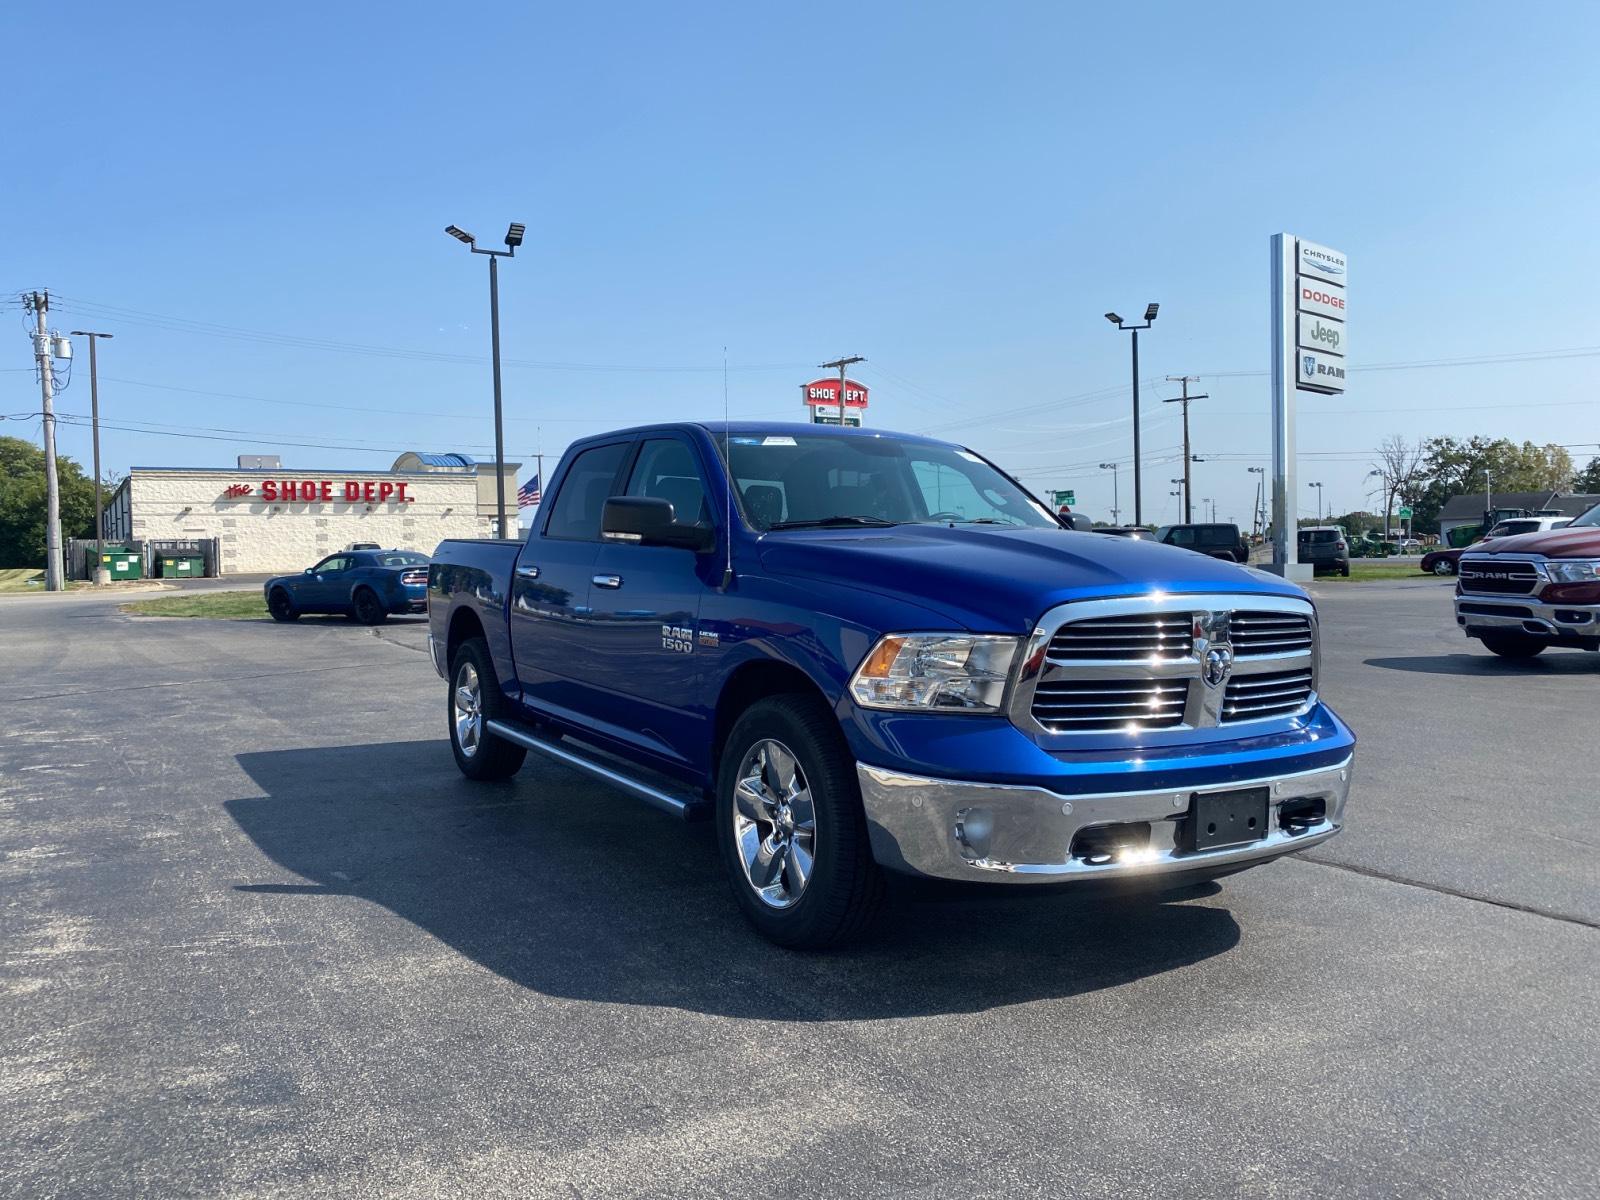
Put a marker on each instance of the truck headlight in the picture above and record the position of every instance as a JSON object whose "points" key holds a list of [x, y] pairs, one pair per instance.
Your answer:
{"points": [[955, 671], [1574, 570]]}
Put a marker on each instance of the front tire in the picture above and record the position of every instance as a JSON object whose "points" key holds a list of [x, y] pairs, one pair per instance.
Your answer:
{"points": [[473, 701], [1513, 645], [1444, 567], [281, 607], [790, 826], [367, 608]]}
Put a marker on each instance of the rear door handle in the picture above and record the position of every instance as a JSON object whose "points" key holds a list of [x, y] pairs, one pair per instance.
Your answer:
{"points": [[607, 581], [528, 572]]}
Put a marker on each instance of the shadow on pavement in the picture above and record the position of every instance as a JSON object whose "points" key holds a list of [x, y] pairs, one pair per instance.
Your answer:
{"points": [[572, 890], [1550, 663]]}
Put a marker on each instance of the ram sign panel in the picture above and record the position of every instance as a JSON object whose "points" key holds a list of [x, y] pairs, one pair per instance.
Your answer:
{"points": [[1317, 372], [1322, 335]]}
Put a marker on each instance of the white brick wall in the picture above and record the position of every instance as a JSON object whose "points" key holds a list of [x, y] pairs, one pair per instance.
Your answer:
{"points": [[280, 536]]}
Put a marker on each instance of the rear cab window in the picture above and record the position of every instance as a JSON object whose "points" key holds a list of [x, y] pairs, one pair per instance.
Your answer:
{"points": [[589, 483]]}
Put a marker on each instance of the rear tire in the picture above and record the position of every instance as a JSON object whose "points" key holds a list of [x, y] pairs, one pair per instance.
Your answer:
{"points": [[1444, 567], [1513, 645], [1345, 570], [281, 607], [472, 701], [367, 608], [790, 826]]}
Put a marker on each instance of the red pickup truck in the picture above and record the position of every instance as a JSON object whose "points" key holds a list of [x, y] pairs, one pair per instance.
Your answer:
{"points": [[1519, 594]]}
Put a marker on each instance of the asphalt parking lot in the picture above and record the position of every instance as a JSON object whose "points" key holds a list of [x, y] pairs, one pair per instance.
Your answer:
{"points": [[260, 939]]}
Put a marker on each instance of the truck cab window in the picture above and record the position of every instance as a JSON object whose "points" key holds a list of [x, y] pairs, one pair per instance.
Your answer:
{"points": [[575, 515], [666, 469]]}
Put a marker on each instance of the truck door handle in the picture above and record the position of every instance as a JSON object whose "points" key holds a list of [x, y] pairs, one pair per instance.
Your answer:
{"points": [[528, 572], [607, 581]]}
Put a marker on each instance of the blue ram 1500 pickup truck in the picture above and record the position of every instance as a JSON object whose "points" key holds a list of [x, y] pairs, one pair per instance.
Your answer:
{"points": [[875, 653]]}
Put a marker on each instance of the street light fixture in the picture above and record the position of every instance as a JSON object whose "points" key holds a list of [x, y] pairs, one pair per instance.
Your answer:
{"points": [[94, 416], [514, 234], [1138, 470], [1116, 502]]}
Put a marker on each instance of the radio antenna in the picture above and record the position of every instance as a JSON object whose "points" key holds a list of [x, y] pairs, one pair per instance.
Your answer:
{"points": [[727, 481]]}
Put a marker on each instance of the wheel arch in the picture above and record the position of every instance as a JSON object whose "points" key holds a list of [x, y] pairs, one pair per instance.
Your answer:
{"points": [[464, 625], [752, 681]]}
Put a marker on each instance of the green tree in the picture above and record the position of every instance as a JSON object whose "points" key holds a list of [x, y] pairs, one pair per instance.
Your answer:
{"points": [[22, 502], [1453, 467], [1587, 481]]}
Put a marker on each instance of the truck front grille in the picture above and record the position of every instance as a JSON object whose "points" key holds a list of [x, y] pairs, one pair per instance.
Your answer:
{"points": [[1257, 634], [1487, 577], [1144, 664], [1087, 705], [1275, 693], [1125, 639]]}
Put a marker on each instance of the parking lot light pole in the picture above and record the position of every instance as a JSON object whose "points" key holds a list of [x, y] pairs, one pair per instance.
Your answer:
{"points": [[101, 575], [1116, 504], [1318, 486], [514, 236], [1138, 477]]}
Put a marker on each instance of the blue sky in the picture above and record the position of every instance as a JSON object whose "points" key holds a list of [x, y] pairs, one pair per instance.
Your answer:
{"points": [[956, 191]]}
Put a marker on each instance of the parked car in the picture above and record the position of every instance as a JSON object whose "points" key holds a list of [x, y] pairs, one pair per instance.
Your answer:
{"points": [[365, 584], [1522, 592], [1325, 547], [864, 652], [1218, 540], [1446, 560], [1442, 560]]}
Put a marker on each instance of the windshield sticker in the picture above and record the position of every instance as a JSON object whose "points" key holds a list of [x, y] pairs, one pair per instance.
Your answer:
{"points": [[969, 456], [778, 441], [746, 441]]}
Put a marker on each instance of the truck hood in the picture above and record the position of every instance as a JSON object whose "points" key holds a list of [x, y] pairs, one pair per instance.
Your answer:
{"points": [[1582, 542], [998, 579]]}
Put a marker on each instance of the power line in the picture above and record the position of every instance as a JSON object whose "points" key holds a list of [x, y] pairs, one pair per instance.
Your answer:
{"points": [[211, 329]]}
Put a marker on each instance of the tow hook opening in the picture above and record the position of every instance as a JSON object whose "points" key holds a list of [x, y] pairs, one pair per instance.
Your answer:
{"points": [[1099, 845], [1297, 816]]}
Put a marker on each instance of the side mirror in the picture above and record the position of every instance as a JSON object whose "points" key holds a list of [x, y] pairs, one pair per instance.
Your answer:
{"points": [[309, 571], [651, 521]]}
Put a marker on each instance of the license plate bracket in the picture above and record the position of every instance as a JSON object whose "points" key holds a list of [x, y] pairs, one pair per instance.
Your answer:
{"points": [[1218, 819]]}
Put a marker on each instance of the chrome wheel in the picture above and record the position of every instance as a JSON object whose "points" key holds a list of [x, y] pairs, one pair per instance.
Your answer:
{"points": [[1444, 567], [467, 710], [774, 823]]}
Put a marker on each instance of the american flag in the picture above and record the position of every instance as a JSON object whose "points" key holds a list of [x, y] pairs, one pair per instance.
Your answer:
{"points": [[528, 493]]}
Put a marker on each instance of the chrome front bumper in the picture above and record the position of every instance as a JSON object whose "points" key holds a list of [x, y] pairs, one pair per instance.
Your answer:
{"points": [[1527, 614], [948, 829]]}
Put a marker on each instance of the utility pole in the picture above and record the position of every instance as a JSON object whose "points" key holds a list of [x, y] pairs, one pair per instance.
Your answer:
{"points": [[1116, 500], [1188, 481], [101, 575], [841, 364], [39, 303], [1257, 519]]}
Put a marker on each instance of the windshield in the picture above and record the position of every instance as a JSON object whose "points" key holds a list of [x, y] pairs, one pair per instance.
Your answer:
{"points": [[402, 558], [792, 481], [1592, 517], [1319, 535]]}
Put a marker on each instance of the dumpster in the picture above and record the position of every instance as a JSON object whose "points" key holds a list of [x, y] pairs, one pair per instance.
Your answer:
{"points": [[123, 563], [180, 565]]}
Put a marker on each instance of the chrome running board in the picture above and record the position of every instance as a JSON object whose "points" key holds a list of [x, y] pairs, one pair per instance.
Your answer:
{"points": [[686, 803]]}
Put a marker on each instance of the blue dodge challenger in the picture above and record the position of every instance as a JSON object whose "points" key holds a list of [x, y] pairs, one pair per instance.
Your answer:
{"points": [[366, 584]]}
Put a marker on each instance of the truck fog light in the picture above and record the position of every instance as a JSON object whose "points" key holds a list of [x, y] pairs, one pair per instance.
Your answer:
{"points": [[974, 831]]}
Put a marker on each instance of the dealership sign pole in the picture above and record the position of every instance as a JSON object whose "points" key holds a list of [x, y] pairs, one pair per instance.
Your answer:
{"points": [[1309, 345]]}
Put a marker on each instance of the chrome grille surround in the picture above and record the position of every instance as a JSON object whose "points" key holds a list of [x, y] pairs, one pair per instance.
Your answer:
{"points": [[1055, 694], [1494, 575]]}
